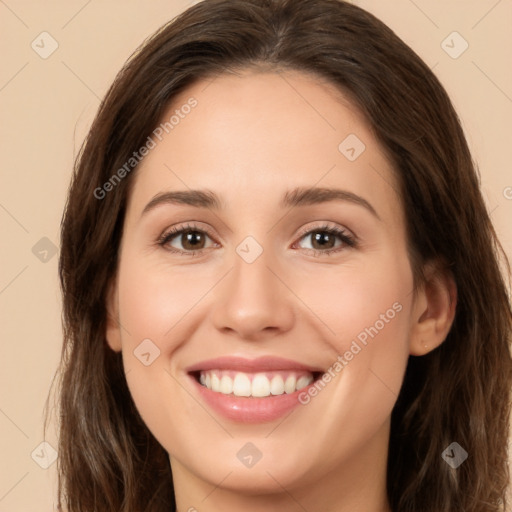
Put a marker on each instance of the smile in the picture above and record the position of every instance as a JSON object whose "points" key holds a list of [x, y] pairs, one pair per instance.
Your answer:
{"points": [[252, 391], [255, 384]]}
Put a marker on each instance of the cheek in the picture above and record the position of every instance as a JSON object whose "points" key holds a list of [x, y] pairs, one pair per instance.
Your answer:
{"points": [[155, 300], [359, 302], [152, 302], [367, 313]]}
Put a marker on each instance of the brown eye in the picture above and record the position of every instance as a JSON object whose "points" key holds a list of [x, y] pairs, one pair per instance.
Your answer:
{"points": [[186, 240], [327, 240], [322, 240], [192, 240]]}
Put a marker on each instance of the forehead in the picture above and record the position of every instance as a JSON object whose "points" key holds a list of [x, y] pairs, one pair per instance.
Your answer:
{"points": [[251, 135]]}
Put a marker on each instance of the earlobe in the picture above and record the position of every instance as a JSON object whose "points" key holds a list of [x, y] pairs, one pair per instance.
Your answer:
{"points": [[433, 311], [113, 331]]}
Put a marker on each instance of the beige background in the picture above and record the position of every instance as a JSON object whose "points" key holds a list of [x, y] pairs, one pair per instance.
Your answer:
{"points": [[47, 106]]}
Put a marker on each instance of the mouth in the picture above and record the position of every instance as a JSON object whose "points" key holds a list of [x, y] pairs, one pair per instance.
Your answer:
{"points": [[255, 384], [252, 391]]}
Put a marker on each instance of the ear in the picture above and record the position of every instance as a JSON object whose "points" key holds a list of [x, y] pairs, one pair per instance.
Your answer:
{"points": [[433, 310], [113, 330]]}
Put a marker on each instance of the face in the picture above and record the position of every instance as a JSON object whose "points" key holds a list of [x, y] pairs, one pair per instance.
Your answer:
{"points": [[280, 313]]}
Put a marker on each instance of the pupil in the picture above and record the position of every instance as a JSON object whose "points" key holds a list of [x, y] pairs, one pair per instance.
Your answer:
{"points": [[191, 239], [321, 237]]}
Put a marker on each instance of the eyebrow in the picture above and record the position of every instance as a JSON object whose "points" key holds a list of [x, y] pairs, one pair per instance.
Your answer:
{"points": [[300, 196]]}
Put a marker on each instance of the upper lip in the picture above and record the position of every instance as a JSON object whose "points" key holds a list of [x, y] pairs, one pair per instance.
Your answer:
{"points": [[260, 364]]}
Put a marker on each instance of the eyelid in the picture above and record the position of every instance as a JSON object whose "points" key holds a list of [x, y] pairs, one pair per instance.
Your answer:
{"points": [[325, 225]]}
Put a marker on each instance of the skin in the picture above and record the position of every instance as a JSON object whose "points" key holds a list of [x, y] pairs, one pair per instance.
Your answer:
{"points": [[253, 136]]}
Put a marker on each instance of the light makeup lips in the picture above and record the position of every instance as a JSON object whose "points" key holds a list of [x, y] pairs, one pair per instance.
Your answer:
{"points": [[252, 390]]}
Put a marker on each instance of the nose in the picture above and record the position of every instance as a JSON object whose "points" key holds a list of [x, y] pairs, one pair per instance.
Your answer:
{"points": [[253, 302]]}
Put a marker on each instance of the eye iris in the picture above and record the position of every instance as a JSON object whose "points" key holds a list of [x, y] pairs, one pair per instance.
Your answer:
{"points": [[326, 240], [191, 238]]}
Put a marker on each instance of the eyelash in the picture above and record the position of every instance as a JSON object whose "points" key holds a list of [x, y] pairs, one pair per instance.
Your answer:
{"points": [[347, 239]]}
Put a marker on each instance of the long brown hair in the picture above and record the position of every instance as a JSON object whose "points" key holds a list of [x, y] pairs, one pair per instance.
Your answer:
{"points": [[460, 392]]}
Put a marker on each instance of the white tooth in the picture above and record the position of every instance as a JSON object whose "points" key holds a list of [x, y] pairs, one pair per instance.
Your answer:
{"points": [[289, 385], [241, 385], [260, 385], [304, 381], [277, 385], [208, 381], [226, 385], [215, 382], [202, 379]]}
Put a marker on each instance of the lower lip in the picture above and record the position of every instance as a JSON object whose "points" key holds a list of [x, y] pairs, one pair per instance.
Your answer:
{"points": [[249, 409]]}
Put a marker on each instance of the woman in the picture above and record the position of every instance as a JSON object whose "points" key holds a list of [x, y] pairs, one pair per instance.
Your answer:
{"points": [[281, 284]]}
